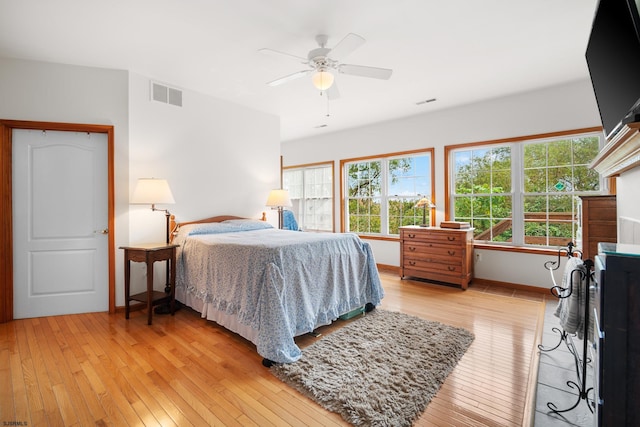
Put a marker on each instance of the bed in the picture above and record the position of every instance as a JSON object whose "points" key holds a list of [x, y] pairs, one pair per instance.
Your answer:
{"points": [[270, 285]]}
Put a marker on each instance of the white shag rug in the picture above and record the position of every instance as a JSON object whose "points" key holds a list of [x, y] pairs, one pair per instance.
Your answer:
{"points": [[381, 369]]}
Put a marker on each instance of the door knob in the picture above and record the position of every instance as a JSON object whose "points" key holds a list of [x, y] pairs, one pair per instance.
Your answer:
{"points": [[103, 231]]}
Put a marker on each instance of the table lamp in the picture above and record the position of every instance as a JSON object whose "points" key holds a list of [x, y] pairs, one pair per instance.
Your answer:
{"points": [[424, 203], [154, 191], [279, 199]]}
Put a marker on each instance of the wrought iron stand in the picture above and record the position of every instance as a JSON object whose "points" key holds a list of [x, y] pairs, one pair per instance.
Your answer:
{"points": [[581, 361]]}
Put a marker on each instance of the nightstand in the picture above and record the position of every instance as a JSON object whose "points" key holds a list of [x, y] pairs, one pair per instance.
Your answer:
{"points": [[149, 254]]}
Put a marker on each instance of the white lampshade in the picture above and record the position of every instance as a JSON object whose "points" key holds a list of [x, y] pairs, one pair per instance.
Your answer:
{"points": [[322, 80], [279, 198], [152, 191]]}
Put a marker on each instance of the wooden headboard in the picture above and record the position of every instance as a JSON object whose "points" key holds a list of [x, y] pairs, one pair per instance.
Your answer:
{"points": [[173, 225]]}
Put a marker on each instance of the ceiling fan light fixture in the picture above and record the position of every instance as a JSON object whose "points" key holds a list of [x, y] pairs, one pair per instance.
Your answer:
{"points": [[322, 80]]}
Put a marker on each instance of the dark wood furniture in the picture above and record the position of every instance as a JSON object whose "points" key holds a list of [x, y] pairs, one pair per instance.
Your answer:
{"points": [[598, 223], [149, 254], [616, 340], [438, 254]]}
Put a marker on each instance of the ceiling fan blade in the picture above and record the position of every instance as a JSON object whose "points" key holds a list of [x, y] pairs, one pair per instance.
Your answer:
{"points": [[348, 44], [273, 52], [362, 71], [333, 93], [290, 77]]}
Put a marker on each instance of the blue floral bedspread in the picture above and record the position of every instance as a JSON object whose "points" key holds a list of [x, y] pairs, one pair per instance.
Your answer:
{"points": [[280, 283]]}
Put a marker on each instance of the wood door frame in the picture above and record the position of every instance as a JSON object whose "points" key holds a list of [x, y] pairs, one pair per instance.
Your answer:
{"points": [[6, 195]]}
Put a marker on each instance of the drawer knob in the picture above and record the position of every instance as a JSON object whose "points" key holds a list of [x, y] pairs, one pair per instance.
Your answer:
{"points": [[411, 236], [412, 249], [451, 238], [412, 263], [451, 268], [452, 253]]}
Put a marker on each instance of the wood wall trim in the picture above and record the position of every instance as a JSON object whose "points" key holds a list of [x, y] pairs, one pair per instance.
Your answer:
{"points": [[515, 286], [6, 227], [447, 184], [111, 194], [309, 165], [387, 155], [528, 137], [375, 237], [342, 185], [390, 269], [516, 249]]}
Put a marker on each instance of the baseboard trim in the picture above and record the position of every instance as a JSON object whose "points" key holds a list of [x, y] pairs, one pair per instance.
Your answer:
{"points": [[517, 286], [132, 307], [386, 268], [392, 269]]}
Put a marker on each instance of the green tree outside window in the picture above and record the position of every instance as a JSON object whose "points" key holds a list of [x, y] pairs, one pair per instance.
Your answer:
{"points": [[549, 177], [382, 193]]}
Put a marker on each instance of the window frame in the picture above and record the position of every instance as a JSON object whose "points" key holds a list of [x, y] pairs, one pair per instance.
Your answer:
{"points": [[517, 191], [317, 165], [384, 196]]}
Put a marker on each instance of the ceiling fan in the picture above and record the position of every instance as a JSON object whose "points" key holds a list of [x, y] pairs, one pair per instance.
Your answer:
{"points": [[323, 62]]}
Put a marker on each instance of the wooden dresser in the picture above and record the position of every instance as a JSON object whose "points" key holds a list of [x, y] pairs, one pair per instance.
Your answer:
{"points": [[598, 223], [438, 254]]}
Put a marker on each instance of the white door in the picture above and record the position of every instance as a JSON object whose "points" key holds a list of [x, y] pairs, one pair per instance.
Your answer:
{"points": [[60, 216]]}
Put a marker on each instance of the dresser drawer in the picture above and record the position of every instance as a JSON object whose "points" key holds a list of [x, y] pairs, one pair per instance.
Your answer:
{"points": [[457, 239], [433, 252], [431, 266]]}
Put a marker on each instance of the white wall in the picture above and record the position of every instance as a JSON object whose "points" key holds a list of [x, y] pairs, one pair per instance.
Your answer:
{"points": [[559, 108], [628, 201], [40, 91], [219, 158], [628, 205]]}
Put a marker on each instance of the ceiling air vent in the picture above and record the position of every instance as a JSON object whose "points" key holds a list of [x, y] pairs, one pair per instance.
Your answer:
{"points": [[426, 101], [166, 94]]}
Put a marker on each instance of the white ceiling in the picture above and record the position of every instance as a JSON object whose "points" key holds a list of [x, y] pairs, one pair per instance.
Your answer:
{"points": [[457, 51]]}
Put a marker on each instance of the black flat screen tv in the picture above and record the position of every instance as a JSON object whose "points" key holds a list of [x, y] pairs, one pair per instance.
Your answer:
{"points": [[613, 58]]}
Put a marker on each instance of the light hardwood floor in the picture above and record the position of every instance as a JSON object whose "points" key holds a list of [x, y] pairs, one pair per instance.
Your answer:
{"points": [[100, 369]]}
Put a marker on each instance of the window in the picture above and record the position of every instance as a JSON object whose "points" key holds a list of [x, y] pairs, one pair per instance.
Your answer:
{"points": [[523, 192], [311, 192], [381, 192]]}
